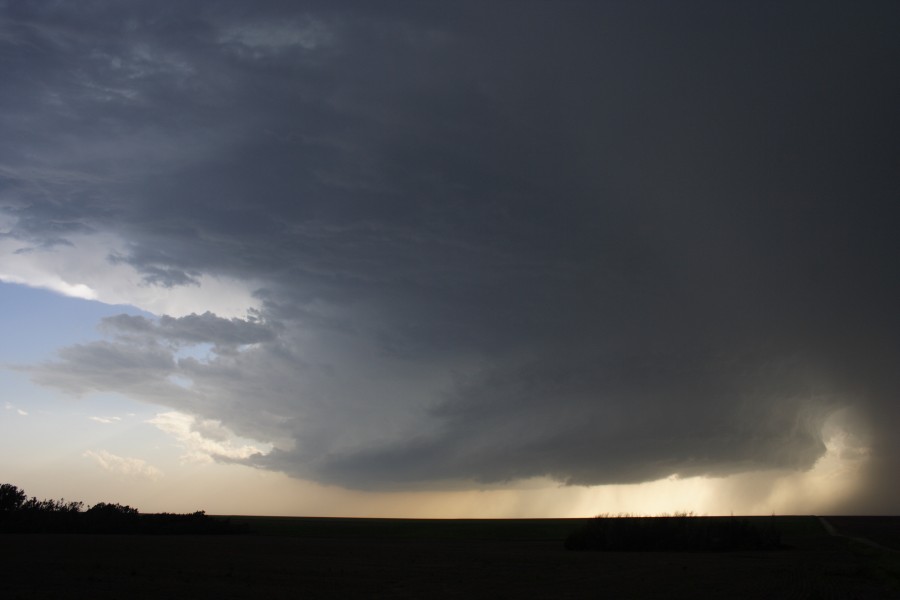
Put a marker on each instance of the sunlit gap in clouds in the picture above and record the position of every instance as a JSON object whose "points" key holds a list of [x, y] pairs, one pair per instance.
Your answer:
{"points": [[93, 267]]}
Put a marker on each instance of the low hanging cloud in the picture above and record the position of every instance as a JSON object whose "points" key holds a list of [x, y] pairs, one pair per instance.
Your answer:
{"points": [[453, 255]]}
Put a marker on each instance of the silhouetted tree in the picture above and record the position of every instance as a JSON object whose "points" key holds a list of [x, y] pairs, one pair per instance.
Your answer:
{"points": [[11, 498], [112, 509], [52, 506], [21, 514], [107, 517]]}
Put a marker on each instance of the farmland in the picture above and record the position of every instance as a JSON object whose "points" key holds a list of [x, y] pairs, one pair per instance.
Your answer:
{"points": [[339, 558]]}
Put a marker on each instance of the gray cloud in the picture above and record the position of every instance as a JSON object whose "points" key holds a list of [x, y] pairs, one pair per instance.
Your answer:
{"points": [[193, 329], [592, 241], [109, 366]]}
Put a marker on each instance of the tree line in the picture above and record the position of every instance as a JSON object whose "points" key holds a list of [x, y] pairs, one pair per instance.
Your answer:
{"points": [[21, 514]]}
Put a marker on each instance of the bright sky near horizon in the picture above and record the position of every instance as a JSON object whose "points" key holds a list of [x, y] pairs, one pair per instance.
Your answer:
{"points": [[467, 260]]}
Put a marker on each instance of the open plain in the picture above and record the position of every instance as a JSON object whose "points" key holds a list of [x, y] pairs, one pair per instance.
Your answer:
{"points": [[372, 558]]}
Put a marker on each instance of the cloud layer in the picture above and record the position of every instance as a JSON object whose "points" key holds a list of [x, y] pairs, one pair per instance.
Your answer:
{"points": [[596, 242]]}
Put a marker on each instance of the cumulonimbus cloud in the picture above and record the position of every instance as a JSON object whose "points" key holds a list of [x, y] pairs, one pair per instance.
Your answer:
{"points": [[469, 257]]}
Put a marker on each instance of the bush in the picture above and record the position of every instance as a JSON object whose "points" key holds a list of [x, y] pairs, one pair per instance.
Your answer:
{"points": [[106, 517], [678, 534]]}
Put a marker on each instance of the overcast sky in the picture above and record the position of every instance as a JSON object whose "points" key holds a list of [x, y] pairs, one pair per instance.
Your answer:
{"points": [[422, 247]]}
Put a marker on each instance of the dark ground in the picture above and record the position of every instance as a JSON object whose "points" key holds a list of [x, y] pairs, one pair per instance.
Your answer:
{"points": [[371, 558], [881, 530]]}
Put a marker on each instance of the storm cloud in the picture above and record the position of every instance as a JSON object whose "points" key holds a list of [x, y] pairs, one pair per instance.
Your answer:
{"points": [[599, 242]]}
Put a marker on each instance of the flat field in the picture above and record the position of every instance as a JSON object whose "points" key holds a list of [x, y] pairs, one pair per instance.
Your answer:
{"points": [[390, 558], [881, 530]]}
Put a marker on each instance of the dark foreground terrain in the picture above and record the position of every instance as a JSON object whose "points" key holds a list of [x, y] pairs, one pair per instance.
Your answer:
{"points": [[341, 558], [881, 530]]}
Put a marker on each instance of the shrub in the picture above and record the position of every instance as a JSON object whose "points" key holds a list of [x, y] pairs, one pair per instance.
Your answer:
{"points": [[677, 533], [106, 517]]}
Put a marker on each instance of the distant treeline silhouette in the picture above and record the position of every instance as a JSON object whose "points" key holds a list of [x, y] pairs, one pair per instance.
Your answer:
{"points": [[681, 532], [21, 514]]}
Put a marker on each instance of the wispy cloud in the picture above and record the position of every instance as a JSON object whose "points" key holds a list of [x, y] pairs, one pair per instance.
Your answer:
{"points": [[271, 38], [18, 411], [106, 420], [122, 465]]}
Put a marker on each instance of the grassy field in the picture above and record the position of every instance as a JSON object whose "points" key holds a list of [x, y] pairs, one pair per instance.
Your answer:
{"points": [[390, 558]]}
